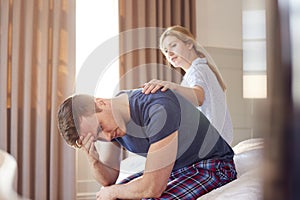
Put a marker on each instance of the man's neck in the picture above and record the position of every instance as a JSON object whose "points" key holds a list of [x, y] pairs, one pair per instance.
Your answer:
{"points": [[121, 108]]}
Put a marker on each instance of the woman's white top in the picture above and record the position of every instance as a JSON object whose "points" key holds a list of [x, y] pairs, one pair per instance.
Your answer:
{"points": [[214, 106]]}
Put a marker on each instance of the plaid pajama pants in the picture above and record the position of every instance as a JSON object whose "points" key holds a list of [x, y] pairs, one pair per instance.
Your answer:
{"points": [[191, 182]]}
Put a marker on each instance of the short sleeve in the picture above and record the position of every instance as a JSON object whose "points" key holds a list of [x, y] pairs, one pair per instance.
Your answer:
{"points": [[164, 119], [195, 77]]}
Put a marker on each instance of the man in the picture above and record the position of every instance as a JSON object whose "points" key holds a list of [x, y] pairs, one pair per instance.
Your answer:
{"points": [[185, 155]]}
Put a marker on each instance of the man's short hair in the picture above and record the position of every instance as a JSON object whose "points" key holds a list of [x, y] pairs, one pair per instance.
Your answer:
{"points": [[69, 114]]}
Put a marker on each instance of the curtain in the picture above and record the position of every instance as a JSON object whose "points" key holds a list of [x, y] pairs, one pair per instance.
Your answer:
{"points": [[37, 71], [141, 23]]}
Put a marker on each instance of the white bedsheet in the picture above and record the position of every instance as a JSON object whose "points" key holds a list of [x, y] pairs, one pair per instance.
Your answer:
{"points": [[248, 185], [248, 160]]}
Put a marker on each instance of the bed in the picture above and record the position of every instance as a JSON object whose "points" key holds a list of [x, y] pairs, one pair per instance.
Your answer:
{"points": [[248, 160]]}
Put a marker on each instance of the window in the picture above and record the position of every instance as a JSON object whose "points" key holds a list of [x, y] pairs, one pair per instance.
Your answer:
{"points": [[295, 31], [254, 54], [96, 27]]}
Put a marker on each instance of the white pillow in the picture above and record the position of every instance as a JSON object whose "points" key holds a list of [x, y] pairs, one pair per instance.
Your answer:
{"points": [[248, 155]]}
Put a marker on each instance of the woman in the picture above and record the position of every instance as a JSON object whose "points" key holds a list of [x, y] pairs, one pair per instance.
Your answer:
{"points": [[202, 84]]}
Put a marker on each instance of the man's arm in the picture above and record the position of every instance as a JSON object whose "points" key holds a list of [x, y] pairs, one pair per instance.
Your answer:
{"points": [[105, 167], [159, 164]]}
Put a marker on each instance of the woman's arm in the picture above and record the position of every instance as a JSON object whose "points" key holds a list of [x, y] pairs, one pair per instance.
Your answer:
{"points": [[159, 164], [194, 94], [105, 167]]}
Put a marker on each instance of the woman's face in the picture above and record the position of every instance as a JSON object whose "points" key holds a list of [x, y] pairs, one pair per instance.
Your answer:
{"points": [[176, 51]]}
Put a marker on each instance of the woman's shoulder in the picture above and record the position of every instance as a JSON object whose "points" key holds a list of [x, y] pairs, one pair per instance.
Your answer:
{"points": [[200, 70], [196, 72]]}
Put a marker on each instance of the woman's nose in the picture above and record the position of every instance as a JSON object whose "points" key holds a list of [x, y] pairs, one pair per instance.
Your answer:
{"points": [[170, 53]]}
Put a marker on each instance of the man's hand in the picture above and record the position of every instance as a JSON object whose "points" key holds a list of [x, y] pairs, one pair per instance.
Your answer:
{"points": [[105, 194], [89, 148], [105, 168]]}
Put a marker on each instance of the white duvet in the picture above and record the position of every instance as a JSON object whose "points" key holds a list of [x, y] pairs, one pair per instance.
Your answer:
{"points": [[248, 160], [248, 185]]}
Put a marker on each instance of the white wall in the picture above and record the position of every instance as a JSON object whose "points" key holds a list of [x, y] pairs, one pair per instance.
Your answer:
{"points": [[219, 23], [219, 30]]}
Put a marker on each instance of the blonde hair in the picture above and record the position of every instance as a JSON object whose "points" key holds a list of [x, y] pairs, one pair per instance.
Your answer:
{"points": [[186, 36]]}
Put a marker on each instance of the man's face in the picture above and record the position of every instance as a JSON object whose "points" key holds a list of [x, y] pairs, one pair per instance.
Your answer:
{"points": [[89, 125], [101, 125]]}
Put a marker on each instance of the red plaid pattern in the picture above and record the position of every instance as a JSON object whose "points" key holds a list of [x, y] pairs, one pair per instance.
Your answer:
{"points": [[191, 182]]}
